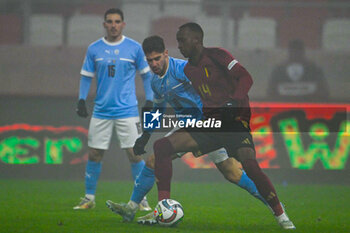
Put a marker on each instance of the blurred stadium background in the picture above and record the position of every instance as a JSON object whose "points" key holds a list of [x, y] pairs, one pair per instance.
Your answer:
{"points": [[42, 47]]}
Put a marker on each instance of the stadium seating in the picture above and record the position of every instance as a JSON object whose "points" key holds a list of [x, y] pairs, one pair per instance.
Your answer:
{"points": [[46, 30], [10, 29], [184, 9], [167, 27], [214, 31], [256, 33], [336, 34], [138, 25], [84, 29]]}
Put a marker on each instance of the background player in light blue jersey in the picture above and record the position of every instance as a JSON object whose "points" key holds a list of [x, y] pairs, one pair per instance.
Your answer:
{"points": [[170, 85], [113, 60]]}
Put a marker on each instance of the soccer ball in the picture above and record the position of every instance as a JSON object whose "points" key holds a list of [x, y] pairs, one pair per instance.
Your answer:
{"points": [[168, 212]]}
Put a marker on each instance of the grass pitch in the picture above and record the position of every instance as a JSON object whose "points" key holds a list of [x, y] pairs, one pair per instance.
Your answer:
{"points": [[46, 206]]}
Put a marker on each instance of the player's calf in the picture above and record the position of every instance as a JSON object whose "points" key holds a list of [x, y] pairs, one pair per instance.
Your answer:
{"points": [[163, 151], [263, 184]]}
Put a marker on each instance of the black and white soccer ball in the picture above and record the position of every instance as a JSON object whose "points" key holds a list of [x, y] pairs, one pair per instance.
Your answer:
{"points": [[168, 212]]}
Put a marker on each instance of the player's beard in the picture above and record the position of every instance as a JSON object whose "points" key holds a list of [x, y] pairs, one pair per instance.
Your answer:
{"points": [[114, 35]]}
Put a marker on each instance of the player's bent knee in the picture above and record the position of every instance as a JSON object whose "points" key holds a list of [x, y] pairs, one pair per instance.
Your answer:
{"points": [[131, 156], [162, 146], [230, 170], [245, 153], [135, 159], [233, 177], [95, 155]]}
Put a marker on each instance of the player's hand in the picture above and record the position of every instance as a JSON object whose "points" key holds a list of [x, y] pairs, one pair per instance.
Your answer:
{"points": [[81, 109], [148, 106], [139, 147], [229, 111]]}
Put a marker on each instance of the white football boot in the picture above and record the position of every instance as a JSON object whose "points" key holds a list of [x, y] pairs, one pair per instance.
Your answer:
{"points": [[284, 221]]}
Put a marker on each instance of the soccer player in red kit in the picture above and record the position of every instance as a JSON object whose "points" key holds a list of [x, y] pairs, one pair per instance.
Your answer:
{"points": [[223, 84]]}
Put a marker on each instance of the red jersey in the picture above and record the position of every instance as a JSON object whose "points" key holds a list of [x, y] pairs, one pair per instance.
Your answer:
{"points": [[219, 77]]}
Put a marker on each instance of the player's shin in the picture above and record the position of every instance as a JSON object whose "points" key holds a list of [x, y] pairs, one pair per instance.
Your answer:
{"points": [[263, 184], [163, 151], [92, 174], [143, 184], [246, 183], [136, 168]]}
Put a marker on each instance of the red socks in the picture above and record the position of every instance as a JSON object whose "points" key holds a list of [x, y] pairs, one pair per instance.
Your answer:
{"points": [[163, 150], [263, 184]]}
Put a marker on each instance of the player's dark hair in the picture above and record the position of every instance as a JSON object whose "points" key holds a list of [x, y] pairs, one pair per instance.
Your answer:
{"points": [[114, 11], [194, 27], [153, 44]]}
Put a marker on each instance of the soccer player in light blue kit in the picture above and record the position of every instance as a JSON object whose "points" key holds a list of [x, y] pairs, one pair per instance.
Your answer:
{"points": [[113, 60], [170, 85]]}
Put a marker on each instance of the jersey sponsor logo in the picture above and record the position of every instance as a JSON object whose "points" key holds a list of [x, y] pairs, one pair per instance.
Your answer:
{"points": [[232, 64]]}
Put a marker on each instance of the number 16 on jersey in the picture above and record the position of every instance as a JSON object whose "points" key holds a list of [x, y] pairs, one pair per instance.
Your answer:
{"points": [[111, 71]]}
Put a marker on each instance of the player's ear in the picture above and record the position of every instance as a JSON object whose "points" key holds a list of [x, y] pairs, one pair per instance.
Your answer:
{"points": [[166, 52]]}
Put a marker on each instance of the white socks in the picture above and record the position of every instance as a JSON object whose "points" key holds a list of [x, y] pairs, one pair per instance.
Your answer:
{"points": [[133, 205], [91, 197], [282, 217]]}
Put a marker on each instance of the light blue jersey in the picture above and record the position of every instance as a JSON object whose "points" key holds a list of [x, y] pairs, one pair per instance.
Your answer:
{"points": [[114, 66], [176, 89]]}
